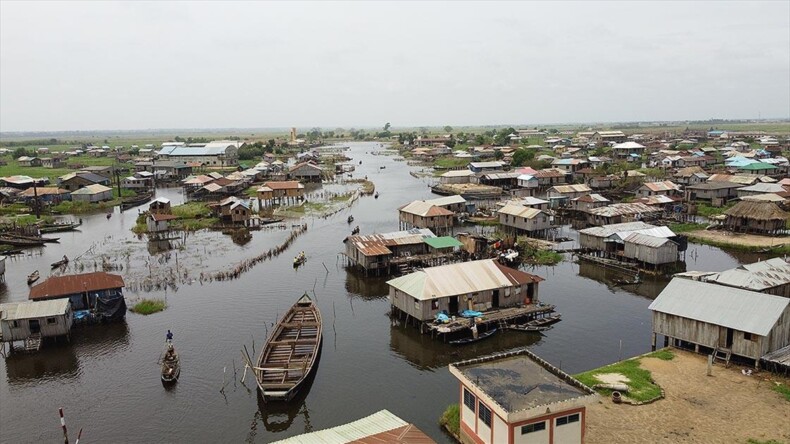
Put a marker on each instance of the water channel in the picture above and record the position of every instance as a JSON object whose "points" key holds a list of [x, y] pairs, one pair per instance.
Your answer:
{"points": [[107, 378]]}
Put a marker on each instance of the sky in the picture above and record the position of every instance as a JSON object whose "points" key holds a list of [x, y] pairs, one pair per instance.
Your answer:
{"points": [[152, 65]]}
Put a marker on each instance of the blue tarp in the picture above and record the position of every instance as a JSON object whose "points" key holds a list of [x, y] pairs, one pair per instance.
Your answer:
{"points": [[79, 315], [442, 317], [471, 314]]}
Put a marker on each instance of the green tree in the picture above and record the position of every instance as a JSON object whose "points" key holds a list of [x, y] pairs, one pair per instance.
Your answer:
{"points": [[448, 129], [387, 127], [521, 156], [19, 152], [499, 155]]}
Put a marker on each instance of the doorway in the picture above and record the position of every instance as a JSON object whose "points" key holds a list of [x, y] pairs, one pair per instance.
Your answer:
{"points": [[495, 299], [35, 326], [453, 308], [725, 337]]}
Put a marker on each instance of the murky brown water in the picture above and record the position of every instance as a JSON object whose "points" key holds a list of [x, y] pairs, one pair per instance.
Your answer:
{"points": [[107, 378]]}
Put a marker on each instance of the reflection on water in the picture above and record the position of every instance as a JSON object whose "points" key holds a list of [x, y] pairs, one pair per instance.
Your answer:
{"points": [[426, 353], [53, 362], [366, 287], [649, 286]]}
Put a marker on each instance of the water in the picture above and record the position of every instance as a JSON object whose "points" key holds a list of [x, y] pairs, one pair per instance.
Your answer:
{"points": [[107, 378]]}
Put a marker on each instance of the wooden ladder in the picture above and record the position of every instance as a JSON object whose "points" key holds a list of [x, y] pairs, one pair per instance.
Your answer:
{"points": [[722, 354], [33, 343]]}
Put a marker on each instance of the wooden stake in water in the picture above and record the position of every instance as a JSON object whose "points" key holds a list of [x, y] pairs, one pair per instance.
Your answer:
{"points": [[63, 426]]}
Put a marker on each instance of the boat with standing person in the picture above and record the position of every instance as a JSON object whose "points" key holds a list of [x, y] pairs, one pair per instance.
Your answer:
{"points": [[61, 262], [291, 352]]}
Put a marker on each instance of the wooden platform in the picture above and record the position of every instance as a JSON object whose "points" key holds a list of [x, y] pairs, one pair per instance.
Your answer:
{"points": [[494, 317]]}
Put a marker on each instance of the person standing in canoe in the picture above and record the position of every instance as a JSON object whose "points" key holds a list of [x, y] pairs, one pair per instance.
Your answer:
{"points": [[169, 336]]}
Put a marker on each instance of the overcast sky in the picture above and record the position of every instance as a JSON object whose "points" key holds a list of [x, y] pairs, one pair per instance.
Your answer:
{"points": [[140, 65]]}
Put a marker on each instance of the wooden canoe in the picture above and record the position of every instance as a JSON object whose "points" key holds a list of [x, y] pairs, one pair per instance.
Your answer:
{"points": [[32, 277], [291, 352], [539, 324], [480, 337], [171, 365]]}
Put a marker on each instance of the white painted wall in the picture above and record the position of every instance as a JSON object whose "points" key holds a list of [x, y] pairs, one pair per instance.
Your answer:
{"points": [[568, 433], [467, 415], [483, 431], [500, 430], [541, 437]]}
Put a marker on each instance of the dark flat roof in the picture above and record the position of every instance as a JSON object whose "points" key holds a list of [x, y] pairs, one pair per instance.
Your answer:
{"points": [[517, 382]]}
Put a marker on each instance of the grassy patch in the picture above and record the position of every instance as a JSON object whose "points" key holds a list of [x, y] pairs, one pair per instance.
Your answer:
{"points": [[760, 441], [664, 354], [251, 191], [450, 162], [779, 249], [640, 386], [483, 222], [79, 207], [451, 419], [149, 306], [542, 257], [314, 206], [191, 210], [368, 187], [707, 210], [685, 227], [783, 390], [194, 224]]}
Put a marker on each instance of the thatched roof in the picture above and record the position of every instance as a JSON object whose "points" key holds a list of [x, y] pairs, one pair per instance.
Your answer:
{"points": [[757, 211]]}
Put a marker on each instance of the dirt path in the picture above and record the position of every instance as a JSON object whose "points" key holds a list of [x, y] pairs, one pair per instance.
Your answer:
{"points": [[749, 240], [727, 407]]}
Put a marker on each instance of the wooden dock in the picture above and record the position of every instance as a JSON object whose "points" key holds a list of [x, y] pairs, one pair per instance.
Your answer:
{"points": [[493, 318]]}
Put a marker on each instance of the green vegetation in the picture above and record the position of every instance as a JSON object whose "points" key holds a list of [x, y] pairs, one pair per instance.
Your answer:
{"points": [[148, 306], [665, 354], [80, 207], [760, 441], [783, 389], [542, 257], [191, 210], [706, 210], [450, 162], [13, 168], [640, 385], [451, 419], [779, 249], [680, 227], [251, 191]]}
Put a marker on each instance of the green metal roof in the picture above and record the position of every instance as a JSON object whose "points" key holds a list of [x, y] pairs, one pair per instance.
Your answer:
{"points": [[757, 166], [442, 242]]}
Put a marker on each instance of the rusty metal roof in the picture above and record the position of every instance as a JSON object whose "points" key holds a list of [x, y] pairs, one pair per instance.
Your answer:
{"points": [[425, 209], [58, 286], [377, 244], [666, 185], [284, 185]]}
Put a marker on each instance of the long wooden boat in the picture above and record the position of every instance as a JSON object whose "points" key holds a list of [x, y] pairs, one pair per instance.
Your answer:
{"points": [[51, 240], [540, 324], [32, 277], [56, 228], [20, 242], [171, 365], [480, 337], [291, 352], [140, 199]]}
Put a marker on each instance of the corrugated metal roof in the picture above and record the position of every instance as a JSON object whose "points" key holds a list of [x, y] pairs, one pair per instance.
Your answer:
{"points": [[425, 209], [460, 278], [763, 188], [734, 308], [578, 188], [593, 197], [92, 189], [443, 242], [768, 197], [33, 309], [530, 200], [376, 244], [620, 209], [77, 283], [644, 239], [608, 230], [757, 276], [515, 209], [358, 431], [212, 187], [447, 200], [494, 176], [284, 185], [662, 186], [493, 164], [458, 173]]}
